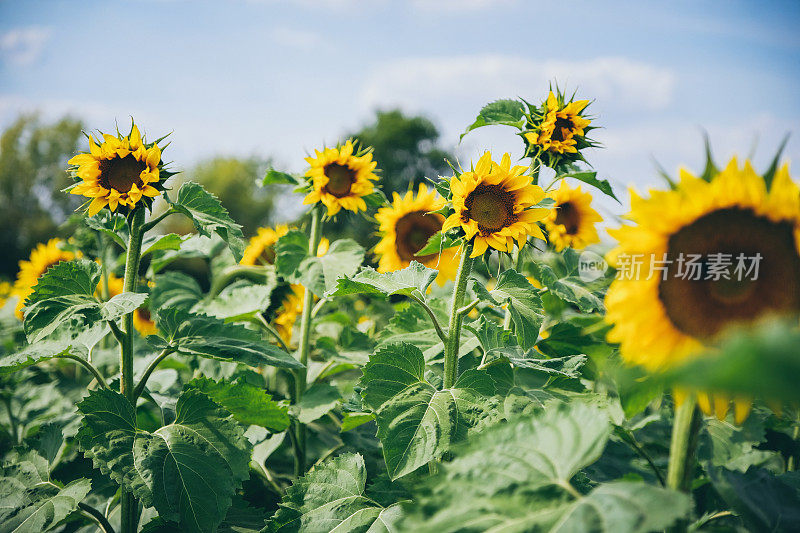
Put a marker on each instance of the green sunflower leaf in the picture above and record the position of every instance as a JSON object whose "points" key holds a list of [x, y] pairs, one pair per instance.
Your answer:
{"points": [[516, 477], [524, 303], [319, 274], [333, 497], [239, 300], [500, 112], [40, 507], [175, 289], [205, 336], [276, 177], [208, 215], [570, 289], [188, 470], [590, 178], [248, 404], [439, 242], [63, 303], [170, 241], [317, 401], [413, 280], [416, 422]]}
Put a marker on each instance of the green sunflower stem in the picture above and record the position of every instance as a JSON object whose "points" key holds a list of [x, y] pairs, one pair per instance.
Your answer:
{"points": [[685, 429], [516, 261], [454, 329], [129, 505], [300, 375]]}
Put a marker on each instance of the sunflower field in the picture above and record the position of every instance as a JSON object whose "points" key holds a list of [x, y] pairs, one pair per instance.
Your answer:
{"points": [[493, 364]]}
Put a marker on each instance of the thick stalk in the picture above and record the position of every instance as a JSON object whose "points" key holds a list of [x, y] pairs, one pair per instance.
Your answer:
{"points": [[451, 347], [130, 508], [300, 375], [516, 261], [685, 428]]}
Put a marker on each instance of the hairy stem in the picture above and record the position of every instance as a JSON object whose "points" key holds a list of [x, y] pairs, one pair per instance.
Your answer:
{"points": [[685, 428], [89, 366], [300, 375], [152, 366], [454, 329], [130, 508], [97, 517], [428, 310]]}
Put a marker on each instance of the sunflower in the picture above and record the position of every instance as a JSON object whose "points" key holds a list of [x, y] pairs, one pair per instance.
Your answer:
{"points": [[341, 179], [661, 320], [288, 312], [493, 202], [42, 257], [571, 223], [142, 320], [260, 250], [118, 171], [405, 227], [561, 125]]}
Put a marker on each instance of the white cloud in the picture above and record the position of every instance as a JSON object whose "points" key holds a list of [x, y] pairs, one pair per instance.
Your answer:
{"points": [[440, 82], [294, 38], [23, 46]]}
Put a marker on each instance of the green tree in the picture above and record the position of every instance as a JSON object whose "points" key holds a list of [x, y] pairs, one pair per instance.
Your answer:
{"points": [[236, 182], [33, 162], [406, 149]]}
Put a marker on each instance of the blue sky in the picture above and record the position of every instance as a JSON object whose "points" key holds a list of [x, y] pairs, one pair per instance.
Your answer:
{"points": [[281, 77]]}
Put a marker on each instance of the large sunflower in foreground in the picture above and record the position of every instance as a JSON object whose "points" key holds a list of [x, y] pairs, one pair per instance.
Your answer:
{"points": [[405, 227], [571, 223], [340, 178], [42, 257], [561, 126], [119, 171], [686, 233], [142, 320], [493, 203]]}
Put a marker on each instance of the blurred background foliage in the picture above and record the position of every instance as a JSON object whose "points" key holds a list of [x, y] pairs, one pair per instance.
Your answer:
{"points": [[33, 161]]}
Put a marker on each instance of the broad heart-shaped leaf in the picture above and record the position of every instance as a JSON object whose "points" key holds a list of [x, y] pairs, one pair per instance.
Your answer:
{"points": [[620, 506], [29, 501], [760, 362], [187, 470], [153, 243], [590, 178], [416, 422], [239, 300], [413, 280], [63, 300], [570, 289], [275, 177], [523, 302], [764, 501], [565, 367], [333, 497], [248, 404], [208, 216], [500, 112], [319, 274], [205, 336], [36, 352], [175, 289], [318, 400]]}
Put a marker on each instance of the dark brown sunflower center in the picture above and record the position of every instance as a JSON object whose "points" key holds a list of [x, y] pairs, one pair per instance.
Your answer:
{"points": [[144, 314], [412, 233], [560, 125], [759, 257], [120, 173], [340, 179], [491, 206], [568, 216], [267, 256]]}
